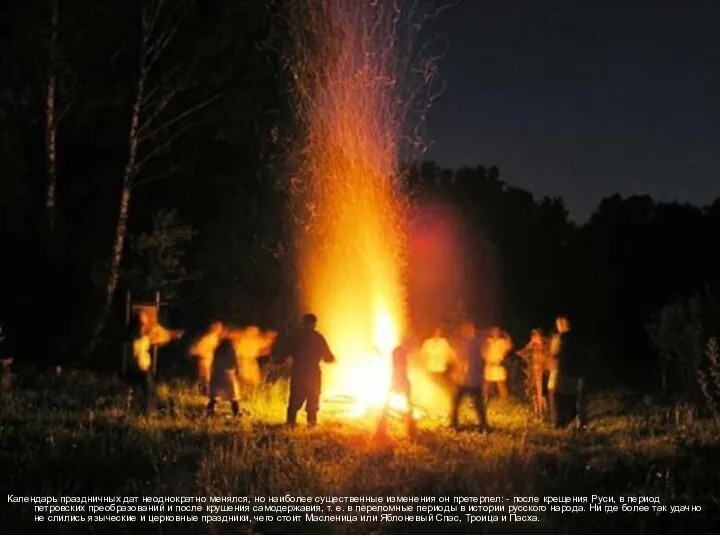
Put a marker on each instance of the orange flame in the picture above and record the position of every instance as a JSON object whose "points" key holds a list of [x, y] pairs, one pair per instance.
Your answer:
{"points": [[351, 212], [357, 86]]}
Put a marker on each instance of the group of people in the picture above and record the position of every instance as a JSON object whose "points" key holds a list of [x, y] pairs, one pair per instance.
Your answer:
{"points": [[556, 380], [472, 366], [476, 364]]}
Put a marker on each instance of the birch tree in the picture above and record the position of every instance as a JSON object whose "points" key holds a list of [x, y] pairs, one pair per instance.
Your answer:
{"points": [[155, 123], [52, 119]]}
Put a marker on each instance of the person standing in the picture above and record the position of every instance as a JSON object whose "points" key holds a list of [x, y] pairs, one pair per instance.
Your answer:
{"points": [[223, 378], [472, 377], [534, 354], [140, 374], [496, 347], [203, 350], [437, 353], [400, 385], [307, 348], [566, 385]]}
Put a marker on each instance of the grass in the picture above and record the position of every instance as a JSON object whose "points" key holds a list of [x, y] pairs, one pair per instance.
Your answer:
{"points": [[78, 435]]}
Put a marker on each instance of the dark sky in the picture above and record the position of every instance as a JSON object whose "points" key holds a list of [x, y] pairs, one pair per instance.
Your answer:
{"points": [[583, 99]]}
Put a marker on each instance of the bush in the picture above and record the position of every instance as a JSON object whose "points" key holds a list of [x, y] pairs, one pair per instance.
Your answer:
{"points": [[680, 333]]}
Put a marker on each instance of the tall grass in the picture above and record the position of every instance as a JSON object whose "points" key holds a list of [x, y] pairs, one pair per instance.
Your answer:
{"points": [[80, 435], [708, 377]]}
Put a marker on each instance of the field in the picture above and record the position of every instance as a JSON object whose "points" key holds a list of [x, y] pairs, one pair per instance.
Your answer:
{"points": [[78, 435]]}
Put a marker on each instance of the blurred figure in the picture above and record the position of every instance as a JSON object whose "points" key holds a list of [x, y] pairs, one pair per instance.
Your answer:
{"points": [[6, 361], [562, 326], [437, 353], [250, 344], [223, 379], [146, 332], [566, 384], [160, 336], [399, 386], [7, 376], [535, 355], [203, 350], [140, 373], [307, 348], [139, 336], [472, 377], [495, 349]]}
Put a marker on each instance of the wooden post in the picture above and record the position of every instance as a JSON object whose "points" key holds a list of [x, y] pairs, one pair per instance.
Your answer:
{"points": [[128, 303], [155, 348]]}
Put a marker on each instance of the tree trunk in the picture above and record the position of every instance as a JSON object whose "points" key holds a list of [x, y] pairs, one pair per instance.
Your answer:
{"points": [[51, 128], [155, 38], [113, 276]]}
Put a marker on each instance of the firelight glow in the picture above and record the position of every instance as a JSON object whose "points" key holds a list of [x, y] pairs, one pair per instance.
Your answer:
{"points": [[349, 208]]}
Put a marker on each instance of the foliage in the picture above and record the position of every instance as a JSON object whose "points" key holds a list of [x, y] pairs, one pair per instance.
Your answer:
{"points": [[708, 377], [227, 177], [158, 256], [676, 333], [683, 335]]}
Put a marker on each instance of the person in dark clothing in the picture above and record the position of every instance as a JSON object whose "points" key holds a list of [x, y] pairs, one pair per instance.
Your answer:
{"points": [[567, 382], [223, 378], [472, 377], [307, 348], [400, 385]]}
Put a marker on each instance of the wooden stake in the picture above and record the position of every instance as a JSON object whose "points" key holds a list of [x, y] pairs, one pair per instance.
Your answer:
{"points": [[123, 369], [155, 348]]}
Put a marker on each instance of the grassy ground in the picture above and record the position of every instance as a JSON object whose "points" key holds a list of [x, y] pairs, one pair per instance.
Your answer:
{"points": [[77, 435]]}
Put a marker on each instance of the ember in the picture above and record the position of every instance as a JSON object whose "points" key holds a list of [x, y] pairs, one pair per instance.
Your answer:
{"points": [[350, 209]]}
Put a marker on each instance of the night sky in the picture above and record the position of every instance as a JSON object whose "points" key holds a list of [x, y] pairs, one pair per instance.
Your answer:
{"points": [[583, 99]]}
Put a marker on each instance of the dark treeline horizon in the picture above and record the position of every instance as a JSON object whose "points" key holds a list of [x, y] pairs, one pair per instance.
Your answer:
{"points": [[207, 216]]}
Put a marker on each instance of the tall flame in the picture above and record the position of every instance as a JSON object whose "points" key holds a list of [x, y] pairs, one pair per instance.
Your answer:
{"points": [[350, 208]]}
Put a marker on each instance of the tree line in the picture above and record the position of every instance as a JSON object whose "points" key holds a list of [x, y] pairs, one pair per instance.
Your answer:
{"points": [[143, 147]]}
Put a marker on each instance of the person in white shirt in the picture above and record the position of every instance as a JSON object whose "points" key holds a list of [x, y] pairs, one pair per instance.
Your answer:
{"points": [[496, 347], [437, 353]]}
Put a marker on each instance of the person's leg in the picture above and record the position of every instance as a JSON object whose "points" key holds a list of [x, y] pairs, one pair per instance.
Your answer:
{"points": [[211, 406], [235, 406], [553, 403], [204, 364], [480, 409], [486, 390], [582, 408], [148, 391], [571, 410], [457, 399], [565, 412], [502, 390], [313, 399], [295, 401], [382, 425], [410, 416]]}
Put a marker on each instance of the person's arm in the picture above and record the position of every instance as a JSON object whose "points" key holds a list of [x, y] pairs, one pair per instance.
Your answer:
{"points": [[327, 354], [555, 345], [279, 351]]}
